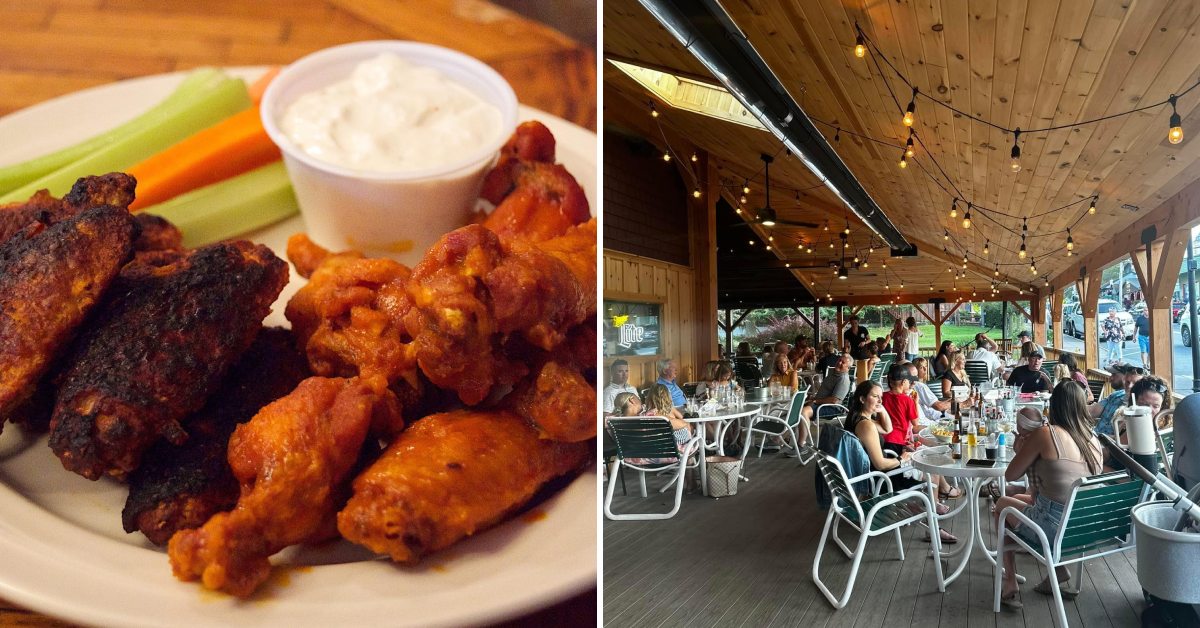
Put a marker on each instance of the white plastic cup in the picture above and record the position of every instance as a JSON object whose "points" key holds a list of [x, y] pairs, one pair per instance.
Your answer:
{"points": [[397, 215]]}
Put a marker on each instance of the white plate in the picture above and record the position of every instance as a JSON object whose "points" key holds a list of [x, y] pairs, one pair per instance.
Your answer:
{"points": [[63, 552]]}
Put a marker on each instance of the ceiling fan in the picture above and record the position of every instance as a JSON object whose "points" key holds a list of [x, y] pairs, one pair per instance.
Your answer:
{"points": [[766, 215]]}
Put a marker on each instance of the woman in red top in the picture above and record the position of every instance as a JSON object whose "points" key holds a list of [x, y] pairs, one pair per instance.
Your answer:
{"points": [[902, 409]]}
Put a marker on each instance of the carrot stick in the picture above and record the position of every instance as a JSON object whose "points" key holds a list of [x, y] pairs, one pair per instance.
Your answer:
{"points": [[258, 87], [231, 147]]}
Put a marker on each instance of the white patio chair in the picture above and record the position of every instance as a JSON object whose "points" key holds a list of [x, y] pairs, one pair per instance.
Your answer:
{"points": [[884, 512], [781, 424], [648, 438], [1096, 523]]}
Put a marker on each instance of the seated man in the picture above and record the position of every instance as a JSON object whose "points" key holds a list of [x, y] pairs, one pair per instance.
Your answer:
{"points": [[985, 351], [618, 383], [668, 370], [1123, 378], [833, 389], [1030, 376], [932, 407]]}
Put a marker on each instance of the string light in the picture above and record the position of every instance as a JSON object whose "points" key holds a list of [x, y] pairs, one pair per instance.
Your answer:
{"points": [[1175, 135], [908, 112], [742, 200], [695, 158], [746, 187], [1015, 163], [1033, 267], [945, 236], [1021, 254], [903, 161], [696, 193], [653, 111], [860, 46], [985, 246], [1070, 241], [908, 147], [966, 223], [954, 208], [847, 230], [1092, 207], [666, 156]]}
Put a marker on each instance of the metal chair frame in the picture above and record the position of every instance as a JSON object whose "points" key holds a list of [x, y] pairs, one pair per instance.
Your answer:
{"points": [[648, 437]]}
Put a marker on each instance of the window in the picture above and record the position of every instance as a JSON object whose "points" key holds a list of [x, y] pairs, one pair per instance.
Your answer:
{"points": [[631, 328]]}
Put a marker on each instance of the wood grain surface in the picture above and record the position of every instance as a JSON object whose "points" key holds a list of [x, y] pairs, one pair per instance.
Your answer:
{"points": [[55, 47]]}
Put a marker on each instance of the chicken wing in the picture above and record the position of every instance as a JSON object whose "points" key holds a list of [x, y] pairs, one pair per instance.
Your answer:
{"points": [[348, 315], [115, 190], [449, 476], [156, 350], [50, 279], [290, 459], [531, 141], [180, 486], [471, 292]]}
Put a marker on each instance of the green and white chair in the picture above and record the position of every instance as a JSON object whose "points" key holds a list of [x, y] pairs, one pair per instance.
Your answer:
{"points": [[1096, 523], [782, 424], [883, 513], [1166, 451], [641, 439]]}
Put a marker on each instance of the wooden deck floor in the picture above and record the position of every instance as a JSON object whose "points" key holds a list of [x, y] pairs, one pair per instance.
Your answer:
{"points": [[746, 560]]}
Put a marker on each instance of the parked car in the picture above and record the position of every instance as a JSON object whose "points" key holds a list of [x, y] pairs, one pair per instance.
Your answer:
{"points": [[1185, 326], [1177, 310], [1073, 318]]}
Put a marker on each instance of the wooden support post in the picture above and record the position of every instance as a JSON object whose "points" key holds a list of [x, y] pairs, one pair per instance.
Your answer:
{"points": [[841, 322], [1037, 317], [1088, 287], [1157, 267], [1056, 313], [703, 232], [937, 325]]}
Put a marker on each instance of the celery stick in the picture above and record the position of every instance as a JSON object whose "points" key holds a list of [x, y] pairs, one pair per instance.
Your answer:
{"points": [[222, 98], [231, 207], [17, 175]]}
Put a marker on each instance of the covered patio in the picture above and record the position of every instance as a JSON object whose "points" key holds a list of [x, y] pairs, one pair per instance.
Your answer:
{"points": [[820, 156]]}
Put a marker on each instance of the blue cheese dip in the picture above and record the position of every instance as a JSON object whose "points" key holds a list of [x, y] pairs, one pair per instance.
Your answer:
{"points": [[391, 116]]}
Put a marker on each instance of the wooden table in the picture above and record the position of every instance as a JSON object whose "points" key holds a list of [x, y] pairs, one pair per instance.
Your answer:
{"points": [[54, 47]]}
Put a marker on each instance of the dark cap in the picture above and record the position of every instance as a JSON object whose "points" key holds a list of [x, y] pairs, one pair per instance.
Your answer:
{"points": [[1037, 352], [1024, 334]]}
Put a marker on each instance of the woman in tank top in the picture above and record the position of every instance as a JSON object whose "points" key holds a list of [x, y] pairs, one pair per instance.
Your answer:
{"points": [[1054, 457]]}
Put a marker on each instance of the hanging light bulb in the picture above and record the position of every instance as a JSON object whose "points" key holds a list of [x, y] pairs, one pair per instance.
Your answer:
{"points": [[653, 111], [826, 225], [1015, 163], [901, 285], [1070, 240], [945, 236], [810, 250], [1092, 207], [1033, 268], [908, 112], [985, 246], [1021, 253], [831, 244], [695, 158], [1175, 135], [860, 46], [908, 148], [885, 264], [997, 270], [954, 208], [696, 193], [738, 210], [856, 260], [746, 187], [847, 229], [903, 160], [742, 200], [966, 223]]}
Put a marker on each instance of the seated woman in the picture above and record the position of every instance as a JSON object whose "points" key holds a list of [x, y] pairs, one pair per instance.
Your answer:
{"points": [[627, 404], [1072, 368], [720, 379], [1153, 391], [743, 350], [803, 357], [658, 403], [944, 358], [955, 375], [1054, 457], [868, 420], [784, 369]]}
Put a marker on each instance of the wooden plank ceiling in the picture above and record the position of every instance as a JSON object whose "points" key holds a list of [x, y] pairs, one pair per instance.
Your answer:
{"points": [[1017, 63]]}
